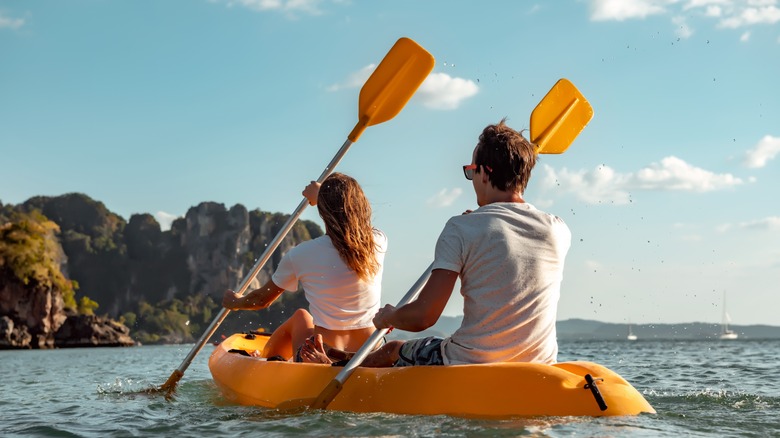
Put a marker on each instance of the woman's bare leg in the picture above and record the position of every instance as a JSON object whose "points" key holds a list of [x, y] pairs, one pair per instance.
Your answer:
{"points": [[290, 335]]}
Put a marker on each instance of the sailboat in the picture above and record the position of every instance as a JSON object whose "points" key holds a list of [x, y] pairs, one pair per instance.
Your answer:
{"points": [[725, 332], [631, 336]]}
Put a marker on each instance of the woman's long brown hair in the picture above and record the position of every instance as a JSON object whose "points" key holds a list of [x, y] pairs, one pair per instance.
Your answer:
{"points": [[347, 215]]}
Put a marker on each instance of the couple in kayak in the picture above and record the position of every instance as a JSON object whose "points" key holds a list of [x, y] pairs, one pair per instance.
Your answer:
{"points": [[508, 255]]}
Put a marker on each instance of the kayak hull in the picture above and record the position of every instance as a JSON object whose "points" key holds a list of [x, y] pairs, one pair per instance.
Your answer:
{"points": [[476, 391]]}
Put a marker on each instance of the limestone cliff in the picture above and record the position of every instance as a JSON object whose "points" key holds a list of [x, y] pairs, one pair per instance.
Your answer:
{"points": [[124, 264], [34, 294], [91, 331], [29, 316]]}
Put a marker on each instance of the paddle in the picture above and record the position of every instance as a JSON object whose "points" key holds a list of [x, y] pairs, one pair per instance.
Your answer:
{"points": [[561, 115], [382, 97]]}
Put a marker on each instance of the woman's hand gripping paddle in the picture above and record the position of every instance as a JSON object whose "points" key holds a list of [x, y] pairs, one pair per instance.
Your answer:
{"points": [[555, 123], [382, 97]]}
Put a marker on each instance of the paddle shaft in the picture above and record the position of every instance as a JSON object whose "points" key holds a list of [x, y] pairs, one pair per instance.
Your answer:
{"points": [[179, 372], [335, 385]]}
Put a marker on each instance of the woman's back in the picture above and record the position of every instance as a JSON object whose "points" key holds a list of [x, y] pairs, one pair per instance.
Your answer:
{"points": [[338, 299]]}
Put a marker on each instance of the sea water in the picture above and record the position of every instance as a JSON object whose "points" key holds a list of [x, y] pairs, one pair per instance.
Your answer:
{"points": [[699, 388]]}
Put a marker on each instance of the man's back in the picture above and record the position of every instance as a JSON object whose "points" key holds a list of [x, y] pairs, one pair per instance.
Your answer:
{"points": [[510, 256]]}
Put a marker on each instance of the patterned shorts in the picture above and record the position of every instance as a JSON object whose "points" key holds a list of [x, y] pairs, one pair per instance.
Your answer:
{"points": [[424, 351]]}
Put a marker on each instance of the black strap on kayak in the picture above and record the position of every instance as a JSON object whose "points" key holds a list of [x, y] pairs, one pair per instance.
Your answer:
{"points": [[251, 334], [595, 391]]}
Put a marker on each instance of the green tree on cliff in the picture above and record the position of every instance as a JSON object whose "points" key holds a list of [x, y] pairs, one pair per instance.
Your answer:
{"points": [[31, 253]]}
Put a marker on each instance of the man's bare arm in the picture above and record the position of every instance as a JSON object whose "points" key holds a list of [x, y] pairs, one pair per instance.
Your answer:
{"points": [[423, 312]]}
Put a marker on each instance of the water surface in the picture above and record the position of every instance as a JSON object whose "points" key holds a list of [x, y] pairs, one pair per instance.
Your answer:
{"points": [[699, 388]]}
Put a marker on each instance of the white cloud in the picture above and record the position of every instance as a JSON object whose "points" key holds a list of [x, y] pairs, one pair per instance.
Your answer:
{"points": [[288, 6], [438, 91], [445, 197], [745, 37], [766, 149], [605, 185], [165, 219], [673, 173], [767, 223], [683, 30], [705, 4], [10, 23], [593, 265], [730, 14], [600, 185], [713, 11], [355, 80], [723, 228], [619, 10], [770, 223], [441, 91], [750, 16]]}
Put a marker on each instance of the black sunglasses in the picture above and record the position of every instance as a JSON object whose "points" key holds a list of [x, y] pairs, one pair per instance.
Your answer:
{"points": [[469, 169]]}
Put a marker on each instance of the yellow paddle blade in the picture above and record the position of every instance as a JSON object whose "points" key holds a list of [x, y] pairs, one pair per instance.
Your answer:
{"points": [[392, 84], [559, 117]]}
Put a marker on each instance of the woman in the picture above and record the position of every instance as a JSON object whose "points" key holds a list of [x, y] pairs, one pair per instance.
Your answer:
{"points": [[340, 272]]}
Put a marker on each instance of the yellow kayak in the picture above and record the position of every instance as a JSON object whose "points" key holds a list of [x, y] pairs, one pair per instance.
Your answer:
{"points": [[476, 391]]}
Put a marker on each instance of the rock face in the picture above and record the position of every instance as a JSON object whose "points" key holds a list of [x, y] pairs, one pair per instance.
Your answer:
{"points": [[34, 318], [13, 335], [120, 264], [213, 240], [92, 331], [31, 315]]}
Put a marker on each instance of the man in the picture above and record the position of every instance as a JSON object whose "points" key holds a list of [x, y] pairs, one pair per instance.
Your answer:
{"points": [[509, 257]]}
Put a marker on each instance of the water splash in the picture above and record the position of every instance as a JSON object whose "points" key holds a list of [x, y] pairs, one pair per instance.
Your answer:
{"points": [[125, 386]]}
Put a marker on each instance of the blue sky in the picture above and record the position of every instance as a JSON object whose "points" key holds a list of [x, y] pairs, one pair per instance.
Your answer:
{"points": [[670, 192]]}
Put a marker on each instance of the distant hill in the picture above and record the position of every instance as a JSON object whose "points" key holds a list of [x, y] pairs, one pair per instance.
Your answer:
{"points": [[582, 329]]}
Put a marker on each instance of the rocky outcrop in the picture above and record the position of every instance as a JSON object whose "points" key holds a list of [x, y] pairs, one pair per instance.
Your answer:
{"points": [[92, 331], [31, 315], [13, 335], [214, 239], [119, 264], [34, 318]]}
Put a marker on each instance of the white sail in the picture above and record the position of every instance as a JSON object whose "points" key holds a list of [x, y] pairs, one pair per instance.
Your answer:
{"points": [[725, 332], [631, 336]]}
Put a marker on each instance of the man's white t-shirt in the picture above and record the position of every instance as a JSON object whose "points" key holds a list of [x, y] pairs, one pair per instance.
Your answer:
{"points": [[338, 299], [510, 259]]}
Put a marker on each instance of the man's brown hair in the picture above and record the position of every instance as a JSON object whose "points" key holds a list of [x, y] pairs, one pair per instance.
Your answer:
{"points": [[508, 154]]}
